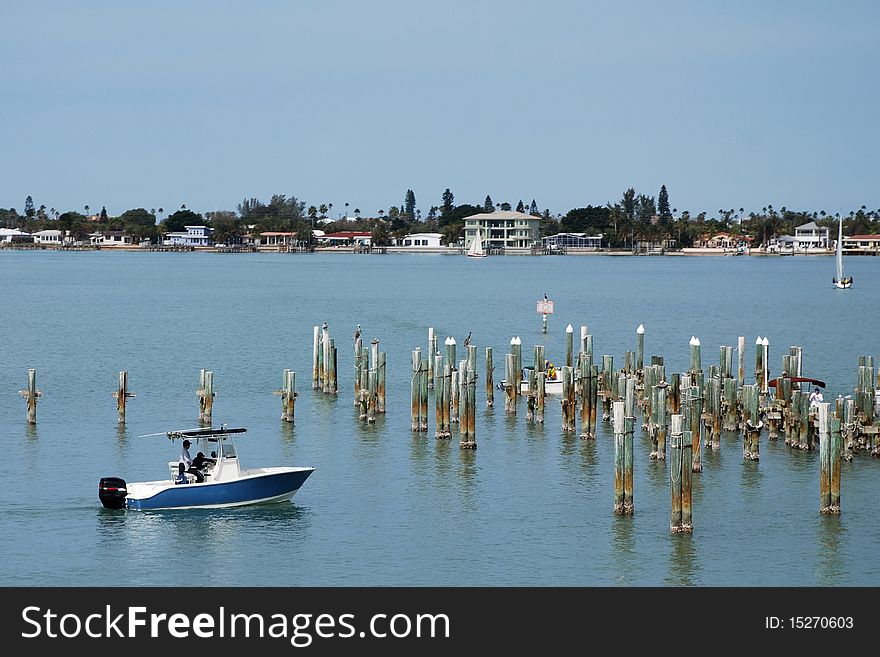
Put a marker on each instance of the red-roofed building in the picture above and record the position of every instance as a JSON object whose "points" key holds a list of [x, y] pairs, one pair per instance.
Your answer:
{"points": [[347, 238], [861, 244]]}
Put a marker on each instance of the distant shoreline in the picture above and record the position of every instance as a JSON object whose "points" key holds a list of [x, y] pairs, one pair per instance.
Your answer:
{"points": [[391, 250]]}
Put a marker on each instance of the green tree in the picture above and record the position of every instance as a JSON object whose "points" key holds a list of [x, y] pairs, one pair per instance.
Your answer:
{"points": [[410, 204], [323, 210], [447, 202], [533, 209], [379, 235], [505, 207], [29, 208], [591, 220], [520, 207], [104, 214], [663, 203], [488, 205], [177, 222]]}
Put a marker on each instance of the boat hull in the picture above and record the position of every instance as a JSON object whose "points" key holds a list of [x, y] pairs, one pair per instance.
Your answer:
{"points": [[264, 488]]}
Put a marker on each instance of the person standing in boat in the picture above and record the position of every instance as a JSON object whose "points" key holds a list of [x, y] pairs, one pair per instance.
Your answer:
{"points": [[187, 461]]}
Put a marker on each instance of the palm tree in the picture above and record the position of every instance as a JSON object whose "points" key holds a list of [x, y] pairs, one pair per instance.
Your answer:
{"points": [[323, 210], [87, 211], [357, 213], [161, 211], [346, 209]]}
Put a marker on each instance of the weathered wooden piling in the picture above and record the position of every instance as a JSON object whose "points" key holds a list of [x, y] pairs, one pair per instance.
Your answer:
{"points": [[741, 362], [438, 397], [31, 394], [568, 399], [607, 383], [836, 443], [288, 395], [423, 395], [658, 422], [569, 345], [516, 350], [628, 431], [619, 423], [358, 352], [687, 468], [509, 383], [640, 350], [824, 459], [696, 425], [586, 394], [316, 357], [471, 400], [540, 396], [332, 382], [583, 339], [432, 349], [751, 422], [716, 388], [122, 394], [675, 471], [454, 399], [696, 398], [366, 393], [673, 395], [326, 357], [380, 392], [490, 380], [696, 359], [532, 395], [447, 400], [594, 390], [206, 396], [414, 390]]}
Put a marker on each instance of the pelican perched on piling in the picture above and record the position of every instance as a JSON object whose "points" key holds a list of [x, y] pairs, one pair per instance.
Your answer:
{"points": [[467, 340]]}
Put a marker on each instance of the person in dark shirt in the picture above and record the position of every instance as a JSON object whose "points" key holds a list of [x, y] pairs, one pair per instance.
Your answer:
{"points": [[198, 465]]}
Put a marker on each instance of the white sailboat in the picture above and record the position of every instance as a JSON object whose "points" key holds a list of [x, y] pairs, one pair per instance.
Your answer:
{"points": [[840, 281], [476, 247]]}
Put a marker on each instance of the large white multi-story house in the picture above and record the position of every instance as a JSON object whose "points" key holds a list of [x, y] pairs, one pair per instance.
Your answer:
{"points": [[194, 236], [811, 236], [506, 229]]}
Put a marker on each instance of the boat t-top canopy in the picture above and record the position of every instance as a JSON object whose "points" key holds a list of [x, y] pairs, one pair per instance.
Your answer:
{"points": [[203, 433], [197, 433]]}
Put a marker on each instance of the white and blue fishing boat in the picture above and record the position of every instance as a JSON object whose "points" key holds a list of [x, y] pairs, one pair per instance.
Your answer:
{"points": [[223, 482]]}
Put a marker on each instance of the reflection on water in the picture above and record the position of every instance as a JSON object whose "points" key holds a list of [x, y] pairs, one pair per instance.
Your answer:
{"points": [[467, 478], [206, 538], [623, 549], [683, 567], [30, 431], [831, 567]]}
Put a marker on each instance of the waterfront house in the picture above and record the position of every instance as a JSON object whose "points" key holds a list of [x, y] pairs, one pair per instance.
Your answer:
{"points": [[420, 240], [278, 239], [505, 229], [14, 236], [52, 237], [572, 242], [348, 238], [782, 244], [811, 236], [862, 245], [110, 238], [194, 236]]}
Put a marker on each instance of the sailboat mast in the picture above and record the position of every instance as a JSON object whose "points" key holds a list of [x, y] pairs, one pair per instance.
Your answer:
{"points": [[840, 249]]}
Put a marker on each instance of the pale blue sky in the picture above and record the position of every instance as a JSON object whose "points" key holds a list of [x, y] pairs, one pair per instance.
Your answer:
{"points": [[155, 104]]}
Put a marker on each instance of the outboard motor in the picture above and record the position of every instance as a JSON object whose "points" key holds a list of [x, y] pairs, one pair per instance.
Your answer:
{"points": [[112, 492]]}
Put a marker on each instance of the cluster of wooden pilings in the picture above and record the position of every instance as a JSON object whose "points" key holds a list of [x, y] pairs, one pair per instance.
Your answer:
{"points": [[324, 361], [685, 411], [369, 379]]}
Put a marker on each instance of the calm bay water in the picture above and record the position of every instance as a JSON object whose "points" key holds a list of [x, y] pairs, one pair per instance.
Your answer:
{"points": [[532, 506]]}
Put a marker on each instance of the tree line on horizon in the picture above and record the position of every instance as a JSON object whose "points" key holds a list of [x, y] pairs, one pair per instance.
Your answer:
{"points": [[634, 218]]}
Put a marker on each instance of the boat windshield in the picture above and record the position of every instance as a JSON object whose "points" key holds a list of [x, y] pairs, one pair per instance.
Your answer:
{"points": [[227, 449]]}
